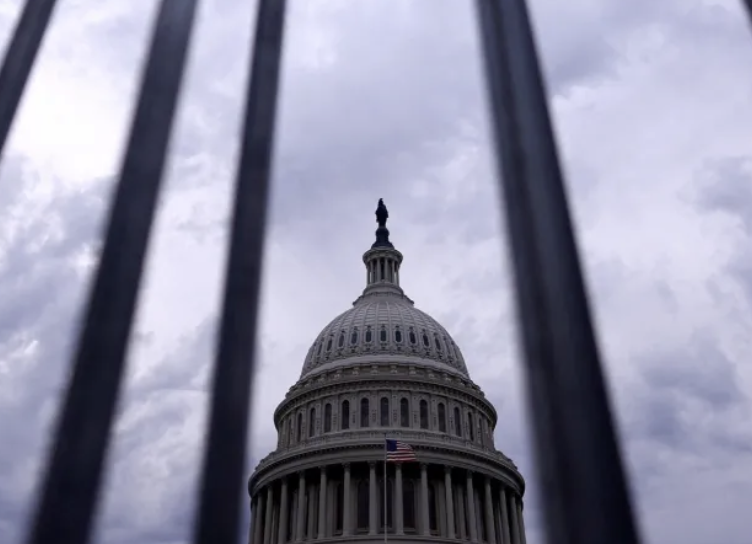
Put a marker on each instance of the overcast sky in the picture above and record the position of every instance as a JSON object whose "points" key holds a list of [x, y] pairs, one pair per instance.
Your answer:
{"points": [[652, 103]]}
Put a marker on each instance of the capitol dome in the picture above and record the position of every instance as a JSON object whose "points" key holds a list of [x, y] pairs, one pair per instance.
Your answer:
{"points": [[384, 372], [384, 323]]}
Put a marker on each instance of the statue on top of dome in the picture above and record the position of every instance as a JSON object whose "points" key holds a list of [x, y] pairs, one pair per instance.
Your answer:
{"points": [[382, 214]]}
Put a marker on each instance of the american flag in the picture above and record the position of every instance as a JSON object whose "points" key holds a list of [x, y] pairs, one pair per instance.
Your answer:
{"points": [[399, 452]]}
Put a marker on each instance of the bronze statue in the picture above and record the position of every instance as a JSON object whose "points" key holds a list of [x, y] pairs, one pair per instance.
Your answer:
{"points": [[382, 214]]}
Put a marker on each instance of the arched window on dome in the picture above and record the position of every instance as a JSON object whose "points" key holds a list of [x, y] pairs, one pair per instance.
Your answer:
{"points": [[300, 427], [457, 422], [437, 342], [329, 344], [364, 412], [384, 411], [423, 414], [426, 342], [341, 341], [398, 335], [362, 510], [408, 504], [413, 338], [404, 413], [369, 335], [470, 428], [382, 335], [328, 418], [321, 345], [311, 422], [354, 337], [345, 419], [442, 417], [448, 345]]}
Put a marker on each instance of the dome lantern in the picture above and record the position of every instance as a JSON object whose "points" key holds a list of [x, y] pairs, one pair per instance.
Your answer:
{"points": [[382, 260]]}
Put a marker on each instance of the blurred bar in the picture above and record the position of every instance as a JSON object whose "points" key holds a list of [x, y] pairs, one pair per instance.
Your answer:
{"points": [[68, 496], [581, 476], [223, 475], [19, 59]]}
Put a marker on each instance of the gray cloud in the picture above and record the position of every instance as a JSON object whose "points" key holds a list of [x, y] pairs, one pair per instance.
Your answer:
{"points": [[388, 102]]}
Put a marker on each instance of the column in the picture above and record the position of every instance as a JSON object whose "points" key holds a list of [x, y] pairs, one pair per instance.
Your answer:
{"points": [[268, 515], [461, 515], [346, 523], [273, 534], [513, 516], [523, 537], [254, 522], [311, 507], [426, 529], [472, 519], [284, 504], [322, 503], [299, 528], [449, 501], [488, 500], [259, 519], [506, 534], [398, 506], [372, 496]]}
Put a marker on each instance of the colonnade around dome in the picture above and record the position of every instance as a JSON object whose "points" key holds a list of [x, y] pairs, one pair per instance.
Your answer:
{"points": [[424, 501]]}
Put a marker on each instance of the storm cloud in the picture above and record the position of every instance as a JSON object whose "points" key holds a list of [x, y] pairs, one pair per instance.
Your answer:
{"points": [[651, 103]]}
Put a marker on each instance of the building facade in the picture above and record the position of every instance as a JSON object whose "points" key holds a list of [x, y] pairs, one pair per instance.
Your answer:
{"points": [[384, 369]]}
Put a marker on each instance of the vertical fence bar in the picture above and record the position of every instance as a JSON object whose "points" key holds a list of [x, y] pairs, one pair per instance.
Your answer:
{"points": [[19, 60], [223, 472], [586, 500], [70, 489]]}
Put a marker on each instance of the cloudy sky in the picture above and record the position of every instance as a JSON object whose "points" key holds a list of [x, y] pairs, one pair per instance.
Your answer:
{"points": [[652, 103]]}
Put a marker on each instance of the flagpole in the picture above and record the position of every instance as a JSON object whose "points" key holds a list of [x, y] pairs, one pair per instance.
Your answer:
{"points": [[385, 488]]}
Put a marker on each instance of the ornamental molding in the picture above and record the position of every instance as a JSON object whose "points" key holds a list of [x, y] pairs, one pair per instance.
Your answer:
{"points": [[389, 375], [419, 390], [498, 467]]}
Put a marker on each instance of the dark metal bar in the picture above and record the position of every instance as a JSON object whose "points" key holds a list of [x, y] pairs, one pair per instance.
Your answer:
{"points": [[19, 59], [586, 499], [70, 489], [224, 467]]}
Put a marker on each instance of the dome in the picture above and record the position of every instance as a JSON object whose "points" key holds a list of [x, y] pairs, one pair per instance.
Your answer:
{"points": [[385, 433], [384, 324]]}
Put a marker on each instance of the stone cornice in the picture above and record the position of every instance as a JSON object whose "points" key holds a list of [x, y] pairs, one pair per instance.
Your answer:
{"points": [[493, 464]]}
